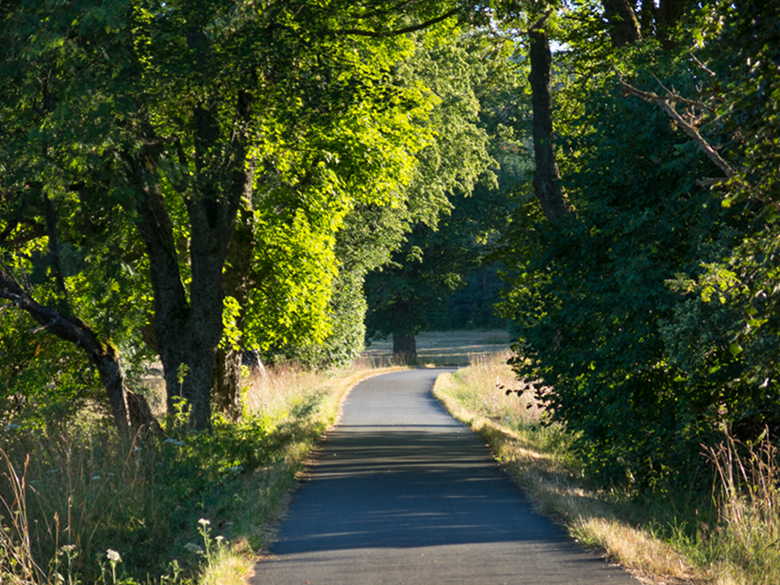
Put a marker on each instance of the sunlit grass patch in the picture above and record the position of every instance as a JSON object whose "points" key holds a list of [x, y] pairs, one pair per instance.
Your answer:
{"points": [[443, 348]]}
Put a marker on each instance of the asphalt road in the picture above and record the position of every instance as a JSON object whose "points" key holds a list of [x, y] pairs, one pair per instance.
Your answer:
{"points": [[402, 493]]}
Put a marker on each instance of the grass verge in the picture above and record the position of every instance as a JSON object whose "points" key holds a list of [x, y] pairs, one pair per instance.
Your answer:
{"points": [[91, 507], [729, 539], [306, 406]]}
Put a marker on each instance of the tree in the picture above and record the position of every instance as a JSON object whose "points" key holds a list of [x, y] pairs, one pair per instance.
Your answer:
{"points": [[181, 111], [55, 216], [737, 292], [626, 310], [129, 409], [623, 24], [436, 258], [532, 20]]}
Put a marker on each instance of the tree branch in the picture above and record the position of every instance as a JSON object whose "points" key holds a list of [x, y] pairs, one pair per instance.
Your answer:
{"points": [[54, 247], [540, 22], [401, 31], [129, 409], [667, 105], [394, 9], [709, 71]]}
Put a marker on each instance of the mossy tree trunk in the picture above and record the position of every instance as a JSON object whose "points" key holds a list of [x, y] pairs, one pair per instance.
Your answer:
{"points": [[130, 411]]}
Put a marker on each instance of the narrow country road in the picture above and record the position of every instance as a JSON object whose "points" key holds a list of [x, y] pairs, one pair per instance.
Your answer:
{"points": [[404, 494]]}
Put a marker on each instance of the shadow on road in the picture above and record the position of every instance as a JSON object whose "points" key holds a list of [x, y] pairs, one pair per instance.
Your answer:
{"points": [[405, 488], [402, 493]]}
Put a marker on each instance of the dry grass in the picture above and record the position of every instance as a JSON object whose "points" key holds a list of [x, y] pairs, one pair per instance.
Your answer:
{"points": [[300, 406], [536, 455], [748, 539], [297, 408], [274, 390], [88, 492]]}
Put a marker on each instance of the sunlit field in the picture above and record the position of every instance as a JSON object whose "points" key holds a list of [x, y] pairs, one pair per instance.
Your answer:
{"points": [[444, 348]]}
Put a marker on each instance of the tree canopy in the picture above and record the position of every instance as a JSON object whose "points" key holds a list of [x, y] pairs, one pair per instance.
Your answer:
{"points": [[190, 180], [197, 128], [637, 313]]}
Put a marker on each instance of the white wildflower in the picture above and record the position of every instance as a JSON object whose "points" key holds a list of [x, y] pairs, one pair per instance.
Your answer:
{"points": [[113, 556], [193, 548]]}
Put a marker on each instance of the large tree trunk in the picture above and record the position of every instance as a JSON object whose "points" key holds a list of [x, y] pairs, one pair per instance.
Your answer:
{"points": [[623, 24], [188, 332], [404, 349], [236, 279], [226, 389], [547, 180]]}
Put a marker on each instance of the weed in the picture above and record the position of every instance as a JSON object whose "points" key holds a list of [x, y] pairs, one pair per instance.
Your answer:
{"points": [[747, 538]]}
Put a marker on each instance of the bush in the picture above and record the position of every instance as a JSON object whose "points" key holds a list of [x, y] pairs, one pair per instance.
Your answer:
{"points": [[636, 373]]}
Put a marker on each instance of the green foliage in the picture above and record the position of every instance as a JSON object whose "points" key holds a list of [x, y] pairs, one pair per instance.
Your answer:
{"points": [[45, 381], [128, 496], [644, 313], [745, 280], [438, 255], [473, 306], [450, 151], [169, 117]]}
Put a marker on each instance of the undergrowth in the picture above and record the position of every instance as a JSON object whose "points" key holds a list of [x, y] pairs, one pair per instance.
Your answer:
{"points": [[90, 506], [727, 536]]}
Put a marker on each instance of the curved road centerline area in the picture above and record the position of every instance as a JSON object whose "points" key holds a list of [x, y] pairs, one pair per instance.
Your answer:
{"points": [[402, 493]]}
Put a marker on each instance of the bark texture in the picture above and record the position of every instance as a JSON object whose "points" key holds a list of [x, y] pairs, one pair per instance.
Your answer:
{"points": [[226, 389], [237, 278], [547, 179], [188, 330], [623, 24]]}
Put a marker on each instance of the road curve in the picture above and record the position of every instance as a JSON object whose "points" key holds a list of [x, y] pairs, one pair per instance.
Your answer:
{"points": [[402, 493]]}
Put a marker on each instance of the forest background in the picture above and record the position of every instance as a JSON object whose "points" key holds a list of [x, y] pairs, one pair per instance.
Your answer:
{"points": [[215, 187]]}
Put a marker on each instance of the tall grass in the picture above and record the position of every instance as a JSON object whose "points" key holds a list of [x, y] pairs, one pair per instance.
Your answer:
{"points": [[730, 536], [88, 492], [747, 539], [89, 506], [506, 411]]}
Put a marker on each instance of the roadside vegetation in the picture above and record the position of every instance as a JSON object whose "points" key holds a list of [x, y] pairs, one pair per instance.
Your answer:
{"points": [[194, 183], [726, 535], [86, 505]]}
